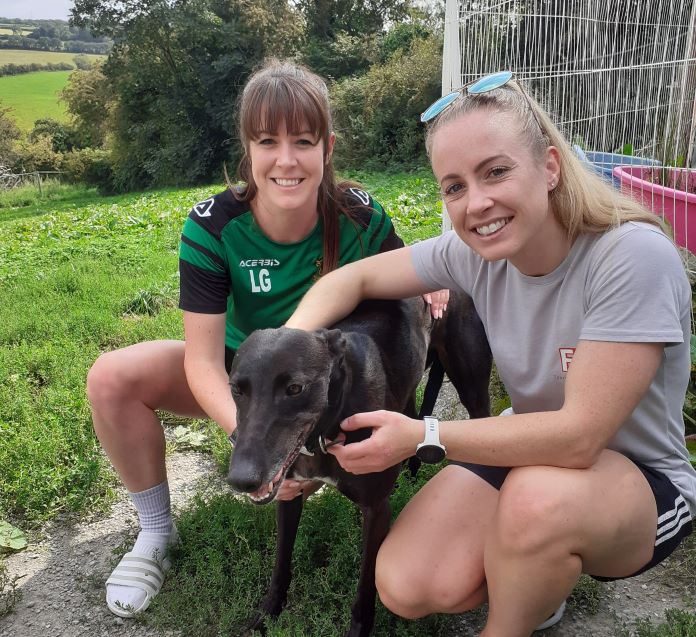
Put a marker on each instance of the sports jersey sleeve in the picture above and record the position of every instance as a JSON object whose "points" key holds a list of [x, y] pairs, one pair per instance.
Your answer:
{"points": [[445, 262], [391, 240], [204, 275], [376, 230], [637, 289]]}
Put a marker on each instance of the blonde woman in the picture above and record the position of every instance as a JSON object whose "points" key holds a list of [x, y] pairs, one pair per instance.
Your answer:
{"points": [[587, 309]]}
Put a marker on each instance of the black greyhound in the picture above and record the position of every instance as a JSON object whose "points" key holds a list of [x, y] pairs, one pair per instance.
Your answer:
{"points": [[293, 388]]}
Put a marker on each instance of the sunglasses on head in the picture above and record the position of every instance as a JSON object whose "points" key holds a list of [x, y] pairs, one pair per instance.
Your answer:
{"points": [[482, 85]]}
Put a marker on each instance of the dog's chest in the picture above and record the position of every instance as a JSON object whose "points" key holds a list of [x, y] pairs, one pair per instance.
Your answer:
{"points": [[313, 468]]}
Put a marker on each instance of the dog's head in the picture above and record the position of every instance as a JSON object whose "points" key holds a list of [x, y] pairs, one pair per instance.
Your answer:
{"points": [[280, 381]]}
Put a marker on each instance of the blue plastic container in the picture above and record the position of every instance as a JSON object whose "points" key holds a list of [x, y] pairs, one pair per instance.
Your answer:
{"points": [[604, 163]]}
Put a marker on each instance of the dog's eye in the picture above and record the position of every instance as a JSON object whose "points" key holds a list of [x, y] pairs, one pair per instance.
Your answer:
{"points": [[235, 389], [294, 389]]}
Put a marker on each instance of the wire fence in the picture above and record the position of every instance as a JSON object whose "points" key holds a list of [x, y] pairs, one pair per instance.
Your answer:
{"points": [[10, 180], [618, 76]]}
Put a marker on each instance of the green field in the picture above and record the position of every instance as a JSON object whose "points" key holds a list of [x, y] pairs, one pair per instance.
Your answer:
{"points": [[21, 56], [33, 96]]}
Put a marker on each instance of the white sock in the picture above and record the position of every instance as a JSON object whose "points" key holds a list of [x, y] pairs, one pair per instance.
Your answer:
{"points": [[157, 534]]}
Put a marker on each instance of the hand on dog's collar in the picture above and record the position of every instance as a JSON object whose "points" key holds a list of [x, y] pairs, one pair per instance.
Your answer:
{"points": [[321, 441], [323, 446]]}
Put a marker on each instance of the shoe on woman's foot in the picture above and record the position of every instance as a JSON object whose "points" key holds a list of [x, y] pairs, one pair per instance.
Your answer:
{"points": [[139, 575], [554, 619]]}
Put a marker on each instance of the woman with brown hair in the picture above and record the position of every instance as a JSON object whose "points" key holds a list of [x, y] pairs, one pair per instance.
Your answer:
{"points": [[247, 256]]}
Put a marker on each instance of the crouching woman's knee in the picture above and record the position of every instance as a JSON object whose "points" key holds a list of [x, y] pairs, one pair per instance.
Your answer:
{"points": [[400, 591], [413, 591], [532, 513], [107, 385]]}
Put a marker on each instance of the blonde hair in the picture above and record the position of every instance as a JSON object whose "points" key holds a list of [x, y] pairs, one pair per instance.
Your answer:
{"points": [[582, 201]]}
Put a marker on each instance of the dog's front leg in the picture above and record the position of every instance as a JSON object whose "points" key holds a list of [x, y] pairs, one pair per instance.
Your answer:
{"points": [[288, 515], [375, 526]]}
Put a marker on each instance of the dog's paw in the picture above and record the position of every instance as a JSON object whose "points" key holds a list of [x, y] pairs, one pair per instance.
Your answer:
{"points": [[256, 626]]}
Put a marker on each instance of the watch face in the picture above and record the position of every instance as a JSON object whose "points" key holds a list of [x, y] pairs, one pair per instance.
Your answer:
{"points": [[430, 454]]}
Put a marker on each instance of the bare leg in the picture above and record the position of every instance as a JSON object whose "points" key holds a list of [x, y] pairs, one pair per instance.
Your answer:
{"points": [[551, 525], [125, 387], [432, 559]]}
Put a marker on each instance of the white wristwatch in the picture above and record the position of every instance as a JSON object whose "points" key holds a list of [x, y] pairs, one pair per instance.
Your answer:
{"points": [[431, 450]]}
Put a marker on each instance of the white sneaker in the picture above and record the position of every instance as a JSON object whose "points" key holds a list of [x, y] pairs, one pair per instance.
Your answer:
{"points": [[554, 619]]}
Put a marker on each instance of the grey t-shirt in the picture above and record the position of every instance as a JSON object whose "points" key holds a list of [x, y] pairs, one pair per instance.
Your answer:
{"points": [[626, 285]]}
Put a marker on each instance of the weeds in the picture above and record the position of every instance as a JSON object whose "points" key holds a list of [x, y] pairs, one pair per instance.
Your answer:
{"points": [[678, 623], [9, 593], [152, 301], [588, 595], [31, 195], [680, 569]]}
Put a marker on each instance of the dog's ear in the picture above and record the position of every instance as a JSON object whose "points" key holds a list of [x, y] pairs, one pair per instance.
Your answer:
{"points": [[336, 342]]}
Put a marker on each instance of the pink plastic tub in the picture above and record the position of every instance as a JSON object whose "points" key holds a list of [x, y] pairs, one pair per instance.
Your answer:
{"points": [[676, 202]]}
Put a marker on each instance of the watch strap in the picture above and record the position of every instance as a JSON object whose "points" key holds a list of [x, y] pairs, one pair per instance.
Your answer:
{"points": [[432, 431]]}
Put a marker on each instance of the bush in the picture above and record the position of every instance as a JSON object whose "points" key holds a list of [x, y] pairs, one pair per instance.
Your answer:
{"points": [[63, 137], [37, 155], [9, 133], [82, 62], [19, 69], [377, 114], [90, 166]]}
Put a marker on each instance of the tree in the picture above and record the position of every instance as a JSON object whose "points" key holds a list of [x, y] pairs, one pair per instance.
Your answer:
{"points": [[90, 99], [9, 134], [377, 114], [341, 34], [175, 71], [63, 138]]}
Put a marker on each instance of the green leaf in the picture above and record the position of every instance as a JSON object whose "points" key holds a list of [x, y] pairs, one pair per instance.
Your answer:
{"points": [[691, 448], [187, 438], [627, 149], [11, 538]]}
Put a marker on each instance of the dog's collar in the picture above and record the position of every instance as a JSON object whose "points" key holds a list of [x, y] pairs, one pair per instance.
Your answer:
{"points": [[323, 431]]}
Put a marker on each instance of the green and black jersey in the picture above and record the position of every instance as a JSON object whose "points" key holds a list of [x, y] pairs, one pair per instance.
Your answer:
{"points": [[227, 264]]}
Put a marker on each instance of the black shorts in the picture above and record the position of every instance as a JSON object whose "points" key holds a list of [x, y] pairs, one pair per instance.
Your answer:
{"points": [[229, 357], [673, 517]]}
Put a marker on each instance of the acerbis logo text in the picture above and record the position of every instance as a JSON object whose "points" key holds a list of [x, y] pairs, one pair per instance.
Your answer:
{"points": [[259, 263]]}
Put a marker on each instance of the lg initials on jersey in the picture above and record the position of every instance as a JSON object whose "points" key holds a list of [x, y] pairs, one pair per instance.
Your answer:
{"points": [[264, 281]]}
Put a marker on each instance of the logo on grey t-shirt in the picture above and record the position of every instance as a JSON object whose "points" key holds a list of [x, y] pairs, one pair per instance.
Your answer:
{"points": [[566, 354]]}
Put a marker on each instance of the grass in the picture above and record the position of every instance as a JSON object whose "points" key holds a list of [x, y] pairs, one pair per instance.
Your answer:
{"points": [[34, 96], [226, 557], [74, 274], [69, 273], [678, 623], [6, 29], [85, 274], [15, 203], [82, 274]]}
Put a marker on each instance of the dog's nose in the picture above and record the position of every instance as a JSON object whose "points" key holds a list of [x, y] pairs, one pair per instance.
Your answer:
{"points": [[244, 476]]}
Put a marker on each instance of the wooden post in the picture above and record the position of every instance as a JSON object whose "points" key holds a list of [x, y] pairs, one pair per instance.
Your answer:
{"points": [[38, 183]]}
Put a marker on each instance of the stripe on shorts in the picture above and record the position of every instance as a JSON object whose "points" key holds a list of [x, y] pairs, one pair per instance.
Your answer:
{"points": [[669, 523]]}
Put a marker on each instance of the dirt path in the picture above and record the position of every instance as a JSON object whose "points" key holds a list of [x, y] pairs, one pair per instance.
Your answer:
{"points": [[62, 578]]}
